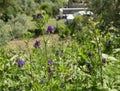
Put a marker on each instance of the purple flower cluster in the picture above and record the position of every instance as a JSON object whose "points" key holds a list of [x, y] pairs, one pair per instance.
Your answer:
{"points": [[21, 63], [37, 44], [50, 29], [39, 16]]}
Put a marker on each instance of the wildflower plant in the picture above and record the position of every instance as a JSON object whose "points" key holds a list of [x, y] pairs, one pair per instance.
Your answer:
{"points": [[37, 44], [21, 63], [40, 19], [67, 65], [50, 29], [39, 16]]}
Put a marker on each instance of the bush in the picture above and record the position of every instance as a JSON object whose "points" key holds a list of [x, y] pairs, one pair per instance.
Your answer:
{"points": [[64, 32], [47, 6], [106, 12], [52, 7], [20, 25], [4, 32], [78, 23]]}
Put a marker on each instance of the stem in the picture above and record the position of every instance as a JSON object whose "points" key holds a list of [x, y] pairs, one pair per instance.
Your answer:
{"points": [[46, 58], [99, 54], [30, 59]]}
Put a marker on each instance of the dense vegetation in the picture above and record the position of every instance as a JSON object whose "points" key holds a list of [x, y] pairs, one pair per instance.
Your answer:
{"points": [[85, 58]]}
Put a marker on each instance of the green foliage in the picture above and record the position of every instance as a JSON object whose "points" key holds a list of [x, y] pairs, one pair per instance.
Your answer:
{"points": [[11, 7], [47, 6], [40, 24], [64, 32], [20, 25], [27, 7], [52, 7], [88, 61], [67, 68], [4, 33], [17, 15], [78, 23], [106, 11]]}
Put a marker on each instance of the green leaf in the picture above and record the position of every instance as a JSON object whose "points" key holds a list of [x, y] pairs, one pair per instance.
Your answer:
{"points": [[109, 57]]}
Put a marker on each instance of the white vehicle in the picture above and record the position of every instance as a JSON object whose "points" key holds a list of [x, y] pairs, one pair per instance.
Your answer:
{"points": [[64, 11], [72, 16]]}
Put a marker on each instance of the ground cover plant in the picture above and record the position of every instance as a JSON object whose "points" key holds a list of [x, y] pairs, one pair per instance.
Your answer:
{"points": [[91, 64], [80, 56]]}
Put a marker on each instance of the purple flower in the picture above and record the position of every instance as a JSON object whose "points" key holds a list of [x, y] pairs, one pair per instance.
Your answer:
{"points": [[50, 62], [109, 42], [89, 66], [103, 60], [39, 16], [89, 54], [21, 63], [37, 44], [50, 29]]}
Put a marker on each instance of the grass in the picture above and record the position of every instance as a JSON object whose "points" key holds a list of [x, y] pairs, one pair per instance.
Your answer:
{"points": [[53, 22]]}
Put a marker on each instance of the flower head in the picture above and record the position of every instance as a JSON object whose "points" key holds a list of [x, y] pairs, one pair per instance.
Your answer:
{"points": [[39, 15], [89, 54], [109, 42], [50, 62], [103, 60], [89, 66], [37, 44], [21, 63], [50, 29]]}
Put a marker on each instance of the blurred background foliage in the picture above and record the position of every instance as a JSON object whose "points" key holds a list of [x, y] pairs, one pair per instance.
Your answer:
{"points": [[107, 12], [20, 16], [98, 35]]}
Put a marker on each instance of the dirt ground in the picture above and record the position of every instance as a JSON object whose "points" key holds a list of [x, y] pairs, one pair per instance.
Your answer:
{"points": [[52, 38]]}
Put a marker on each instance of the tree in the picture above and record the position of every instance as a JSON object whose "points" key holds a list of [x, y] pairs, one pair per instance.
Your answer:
{"points": [[107, 11]]}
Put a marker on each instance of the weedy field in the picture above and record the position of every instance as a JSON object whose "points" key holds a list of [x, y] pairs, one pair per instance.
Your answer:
{"points": [[41, 53], [87, 61]]}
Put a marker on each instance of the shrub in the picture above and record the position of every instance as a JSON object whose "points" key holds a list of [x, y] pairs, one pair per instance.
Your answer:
{"points": [[64, 32], [20, 25], [47, 6], [4, 32], [78, 23], [106, 12]]}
